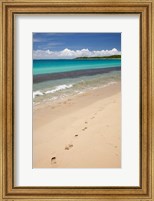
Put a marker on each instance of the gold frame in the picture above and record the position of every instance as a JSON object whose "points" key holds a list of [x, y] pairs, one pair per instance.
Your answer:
{"points": [[9, 8]]}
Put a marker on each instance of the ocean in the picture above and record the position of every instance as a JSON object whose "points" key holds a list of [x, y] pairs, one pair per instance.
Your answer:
{"points": [[57, 79]]}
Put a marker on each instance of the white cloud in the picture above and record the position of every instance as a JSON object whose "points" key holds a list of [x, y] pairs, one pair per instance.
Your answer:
{"points": [[70, 54]]}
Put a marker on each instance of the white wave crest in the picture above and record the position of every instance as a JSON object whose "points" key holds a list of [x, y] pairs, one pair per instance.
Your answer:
{"points": [[59, 88], [37, 93]]}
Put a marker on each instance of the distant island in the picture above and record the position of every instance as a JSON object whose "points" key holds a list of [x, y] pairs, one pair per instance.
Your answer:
{"points": [[104, 57]]}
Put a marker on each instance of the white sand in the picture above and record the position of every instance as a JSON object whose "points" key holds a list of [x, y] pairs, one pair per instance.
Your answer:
{"points": [[81, 132]]}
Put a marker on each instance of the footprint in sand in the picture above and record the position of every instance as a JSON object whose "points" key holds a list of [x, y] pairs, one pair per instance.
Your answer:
{"points": [[85, 122], [92, 117], [84, 128], [53, 160], [76, 135], [68, 146], [115, 146]]}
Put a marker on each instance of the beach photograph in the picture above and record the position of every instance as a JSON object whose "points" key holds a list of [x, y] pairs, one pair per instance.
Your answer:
{"points": [[76, 100]]}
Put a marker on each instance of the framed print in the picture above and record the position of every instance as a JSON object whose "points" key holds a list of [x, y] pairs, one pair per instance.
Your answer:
{"points": [[76, 100]]}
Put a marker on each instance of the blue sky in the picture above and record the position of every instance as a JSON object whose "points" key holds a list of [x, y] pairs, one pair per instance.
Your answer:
{"points": [[74, 41], [68, 45]]}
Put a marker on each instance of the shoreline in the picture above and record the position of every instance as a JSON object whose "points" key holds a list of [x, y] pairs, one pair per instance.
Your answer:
{"points": [[49, 102], [79, 132]]}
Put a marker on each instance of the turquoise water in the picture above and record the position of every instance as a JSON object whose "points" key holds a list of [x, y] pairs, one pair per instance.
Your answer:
{"points": [[53, 90], [56, 66]]}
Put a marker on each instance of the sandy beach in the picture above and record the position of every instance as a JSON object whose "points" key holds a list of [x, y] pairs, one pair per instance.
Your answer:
{"points": [[83, 131]]}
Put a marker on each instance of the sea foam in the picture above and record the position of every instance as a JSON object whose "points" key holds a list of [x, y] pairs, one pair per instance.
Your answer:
{"points": [[37, 93], [57, 88]]}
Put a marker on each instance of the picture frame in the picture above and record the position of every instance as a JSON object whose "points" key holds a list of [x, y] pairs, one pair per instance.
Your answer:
{"points": [[11, 8]]}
